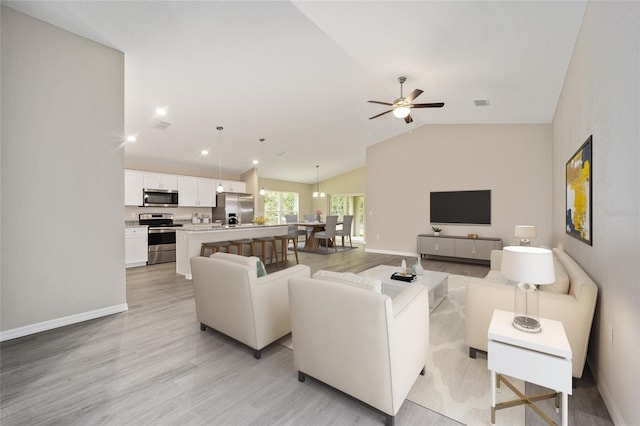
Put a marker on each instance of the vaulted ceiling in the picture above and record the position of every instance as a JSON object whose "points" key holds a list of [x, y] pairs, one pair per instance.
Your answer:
{"points": [[299, 74]]}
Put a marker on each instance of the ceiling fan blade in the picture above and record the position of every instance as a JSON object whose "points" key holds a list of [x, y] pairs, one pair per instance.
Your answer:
{"points": [[383, 113], [408, 119], [413, 95], [381, 103], [431, 105]]}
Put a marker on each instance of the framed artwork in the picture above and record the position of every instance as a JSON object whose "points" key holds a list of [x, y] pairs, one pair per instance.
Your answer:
{"points": [[579, 189]]}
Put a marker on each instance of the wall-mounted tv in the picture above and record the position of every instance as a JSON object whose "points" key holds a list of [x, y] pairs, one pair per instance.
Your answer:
{"points": [[463, 207]]}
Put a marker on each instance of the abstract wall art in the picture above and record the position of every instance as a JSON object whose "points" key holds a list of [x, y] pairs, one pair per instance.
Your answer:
{"points": [[579, 194]]}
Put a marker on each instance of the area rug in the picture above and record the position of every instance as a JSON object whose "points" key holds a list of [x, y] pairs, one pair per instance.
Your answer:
{"points": [[321, 250], [455, 385]]}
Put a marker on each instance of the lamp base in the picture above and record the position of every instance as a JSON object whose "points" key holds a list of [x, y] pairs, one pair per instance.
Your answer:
{"points": [[527, 324], [525, 242]]}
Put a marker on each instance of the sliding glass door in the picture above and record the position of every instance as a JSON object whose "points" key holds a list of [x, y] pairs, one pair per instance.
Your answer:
{"points": [[350, 204]]}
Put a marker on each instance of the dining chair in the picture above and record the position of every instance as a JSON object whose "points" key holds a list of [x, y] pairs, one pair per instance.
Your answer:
{"points": [[293, 230], [309, 217], [346, 229], [329, 232]]}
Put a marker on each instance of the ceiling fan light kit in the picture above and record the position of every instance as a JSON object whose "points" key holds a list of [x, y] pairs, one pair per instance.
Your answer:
{"points": [[402, 106]]}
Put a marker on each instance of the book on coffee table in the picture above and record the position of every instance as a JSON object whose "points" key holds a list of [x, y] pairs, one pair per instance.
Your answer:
{"points": [[408, 278]]}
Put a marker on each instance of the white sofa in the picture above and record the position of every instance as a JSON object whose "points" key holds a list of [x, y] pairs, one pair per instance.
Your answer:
{"points": [[571, 300], [358, 340], [231, 299]]}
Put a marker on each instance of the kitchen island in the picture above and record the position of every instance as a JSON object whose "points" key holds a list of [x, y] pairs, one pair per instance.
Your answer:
{"points": [[189, 239]]}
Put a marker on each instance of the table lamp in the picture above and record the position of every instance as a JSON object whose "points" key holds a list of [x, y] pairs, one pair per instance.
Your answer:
{"points": [[528, 267], [524, 232]]}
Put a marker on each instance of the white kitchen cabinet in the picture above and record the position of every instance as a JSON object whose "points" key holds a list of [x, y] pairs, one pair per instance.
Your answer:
{"points": [[160, 181], [135, 246], [233, 186], [196, 192], [133, 184]]}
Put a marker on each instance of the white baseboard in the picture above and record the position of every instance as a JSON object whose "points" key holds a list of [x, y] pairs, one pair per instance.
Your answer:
{"points": [[61, 322], [397, 253], [605, 393]]}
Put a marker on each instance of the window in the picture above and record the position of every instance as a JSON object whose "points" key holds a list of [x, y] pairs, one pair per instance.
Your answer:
{"points": [[278, 204]]}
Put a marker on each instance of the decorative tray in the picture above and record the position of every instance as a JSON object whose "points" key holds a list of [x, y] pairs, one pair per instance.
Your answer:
{"points": [[408, 278]]}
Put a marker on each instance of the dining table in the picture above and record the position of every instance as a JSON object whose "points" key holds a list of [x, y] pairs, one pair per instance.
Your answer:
{"points": [[312, 242]]}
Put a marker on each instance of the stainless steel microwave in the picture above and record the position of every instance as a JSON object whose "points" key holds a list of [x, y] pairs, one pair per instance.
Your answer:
{"points": [[159, 197]]}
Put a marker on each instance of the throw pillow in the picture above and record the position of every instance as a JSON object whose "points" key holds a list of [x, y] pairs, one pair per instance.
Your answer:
{"points": [[262, 271], [562, 282]]}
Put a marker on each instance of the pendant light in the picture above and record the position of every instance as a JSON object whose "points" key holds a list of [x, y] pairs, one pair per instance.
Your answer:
{"points": [[262, 191], [317, 194], [220, 188]]}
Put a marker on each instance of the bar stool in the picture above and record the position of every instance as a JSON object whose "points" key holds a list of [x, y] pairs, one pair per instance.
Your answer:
{"points": [[274, 250], [239, 245], [215, 247], [284, 240]]}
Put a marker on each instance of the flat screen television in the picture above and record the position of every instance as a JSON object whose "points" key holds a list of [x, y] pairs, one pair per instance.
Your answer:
{"points": [[463, 207]]}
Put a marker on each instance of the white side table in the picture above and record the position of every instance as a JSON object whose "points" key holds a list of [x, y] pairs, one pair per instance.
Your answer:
{"points": [[542, 358]]}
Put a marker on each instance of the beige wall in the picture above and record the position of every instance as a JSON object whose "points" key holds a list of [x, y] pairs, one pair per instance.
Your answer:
{"points": [[601, 97], [513, 161], [62, 177]]}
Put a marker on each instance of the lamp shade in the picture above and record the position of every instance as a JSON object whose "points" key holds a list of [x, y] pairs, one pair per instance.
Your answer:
{"points": [[525, 231], [532, 265]]}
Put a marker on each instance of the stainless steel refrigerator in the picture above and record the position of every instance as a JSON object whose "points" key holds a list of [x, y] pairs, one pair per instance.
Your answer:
{"points": [[231, 205]]}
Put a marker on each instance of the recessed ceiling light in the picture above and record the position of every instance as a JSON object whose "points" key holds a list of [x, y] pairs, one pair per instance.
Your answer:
{"points": [[255, 162], [131, 138], [161, 111], [481, 102], [204, 152]]}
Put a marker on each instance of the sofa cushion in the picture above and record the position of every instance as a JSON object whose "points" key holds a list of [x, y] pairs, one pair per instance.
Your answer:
{"points": [[562, 282], [350, 279]]}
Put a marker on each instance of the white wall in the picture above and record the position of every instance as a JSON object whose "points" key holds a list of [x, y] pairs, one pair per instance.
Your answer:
{"points": [[62, 177], [513, 161], [601, 97]]}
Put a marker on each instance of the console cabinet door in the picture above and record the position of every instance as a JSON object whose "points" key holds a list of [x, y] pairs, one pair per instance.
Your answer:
{"points": [[483, 249], [427, 245], [445, 246], [465, 248]]}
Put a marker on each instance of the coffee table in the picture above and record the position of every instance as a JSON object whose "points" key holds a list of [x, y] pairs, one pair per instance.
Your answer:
{"points": [[436, 282]]}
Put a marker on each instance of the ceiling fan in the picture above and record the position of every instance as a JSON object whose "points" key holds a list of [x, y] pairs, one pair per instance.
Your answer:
{"points": [[402, 106]]}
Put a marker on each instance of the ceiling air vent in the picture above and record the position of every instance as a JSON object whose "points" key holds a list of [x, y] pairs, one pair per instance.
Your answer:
{"points": [[162, 125], [481, 102]]}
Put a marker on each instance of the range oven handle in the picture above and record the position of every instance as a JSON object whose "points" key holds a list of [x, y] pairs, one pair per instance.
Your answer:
{"points": [[160, 231]]}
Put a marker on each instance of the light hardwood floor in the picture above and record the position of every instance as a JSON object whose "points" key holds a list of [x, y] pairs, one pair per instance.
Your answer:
{"points": [[153, 365]]}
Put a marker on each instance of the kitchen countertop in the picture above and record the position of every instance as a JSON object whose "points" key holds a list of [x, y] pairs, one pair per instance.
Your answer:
{"points": [[215, 227], [134, 224]]}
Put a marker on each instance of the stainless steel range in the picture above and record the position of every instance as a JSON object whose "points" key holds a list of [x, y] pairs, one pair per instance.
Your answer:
{"points": [[162, 237]]}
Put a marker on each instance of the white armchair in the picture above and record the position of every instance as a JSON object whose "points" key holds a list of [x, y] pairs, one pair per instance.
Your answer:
{"points": [[359, 341], [231, 299]]}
